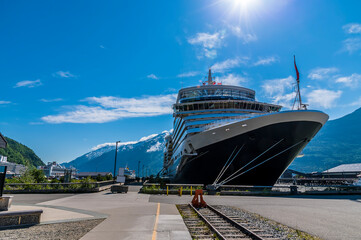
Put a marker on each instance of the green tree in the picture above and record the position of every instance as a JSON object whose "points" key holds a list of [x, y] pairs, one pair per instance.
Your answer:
{"points": [[38, 175], [27, 177], [21, 154]]}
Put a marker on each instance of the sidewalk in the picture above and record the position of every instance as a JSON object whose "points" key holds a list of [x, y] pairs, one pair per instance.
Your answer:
{"points": [[129, 216]]}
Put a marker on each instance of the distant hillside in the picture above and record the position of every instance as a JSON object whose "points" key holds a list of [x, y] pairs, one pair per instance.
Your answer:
{"points": [[338, 142], [148, 150], [19, 153]]}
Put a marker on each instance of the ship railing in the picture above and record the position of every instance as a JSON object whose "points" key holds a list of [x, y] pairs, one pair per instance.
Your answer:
{"points": [[219, 123], [219, 91], [226, 105]]}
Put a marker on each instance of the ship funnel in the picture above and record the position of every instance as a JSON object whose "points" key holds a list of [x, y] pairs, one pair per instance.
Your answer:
{"points": [[210, 81]]}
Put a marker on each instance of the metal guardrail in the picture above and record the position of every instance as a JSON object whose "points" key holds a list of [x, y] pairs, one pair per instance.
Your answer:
{"points": [[173, 185], [20, 186], [282, 189]]}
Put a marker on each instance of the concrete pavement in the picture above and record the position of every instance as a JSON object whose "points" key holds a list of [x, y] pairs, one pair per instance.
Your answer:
{"points": [[129, 216], [37, 198], [328, 217], [141, 216]]}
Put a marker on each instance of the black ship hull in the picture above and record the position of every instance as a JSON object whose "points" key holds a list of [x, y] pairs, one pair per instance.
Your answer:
{"points": [[263, 153]]}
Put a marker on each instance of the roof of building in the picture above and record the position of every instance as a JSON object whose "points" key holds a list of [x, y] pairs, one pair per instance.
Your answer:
{"points": [[355, 167], [3, 141], [85, 174]]}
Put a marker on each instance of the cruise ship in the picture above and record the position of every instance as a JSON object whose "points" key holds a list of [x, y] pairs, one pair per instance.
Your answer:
{"points": [[222, 135]]}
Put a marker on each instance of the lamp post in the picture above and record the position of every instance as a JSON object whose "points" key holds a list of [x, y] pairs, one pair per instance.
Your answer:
{"points": [[115, 161], [138, 169]]}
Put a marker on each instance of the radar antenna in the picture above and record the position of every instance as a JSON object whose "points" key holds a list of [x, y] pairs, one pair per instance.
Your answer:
{"points": [[298, 100]]}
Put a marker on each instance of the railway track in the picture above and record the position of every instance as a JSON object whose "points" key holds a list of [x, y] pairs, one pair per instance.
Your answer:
{"points": [[212, 223]]}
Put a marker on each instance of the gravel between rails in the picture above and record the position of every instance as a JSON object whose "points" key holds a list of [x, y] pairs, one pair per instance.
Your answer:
{"points": [[271, 227], [56, 231]]}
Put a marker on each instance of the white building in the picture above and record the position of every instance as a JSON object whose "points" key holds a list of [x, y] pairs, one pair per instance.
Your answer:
{"points": [[54, 170], [13, 169]]}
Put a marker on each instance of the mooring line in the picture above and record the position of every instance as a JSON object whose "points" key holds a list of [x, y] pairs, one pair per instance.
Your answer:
{"points": [[264, 161], [154, 237], [226, 180], [220, 173]]}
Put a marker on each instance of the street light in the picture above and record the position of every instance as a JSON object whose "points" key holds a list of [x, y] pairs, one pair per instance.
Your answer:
{"points": [[115, 161], [138, 169]]}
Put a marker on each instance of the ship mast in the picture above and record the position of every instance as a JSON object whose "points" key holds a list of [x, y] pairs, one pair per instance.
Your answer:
{"points": [[298, 99]]}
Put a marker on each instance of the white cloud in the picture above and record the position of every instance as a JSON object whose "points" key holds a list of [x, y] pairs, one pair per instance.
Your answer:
{"points": [[210, 53], [352, 28], [231, 79], [28, 84], [155, 147], [266, 61], [228, 64], [280, 91], [351, 45], [321, 73], [51, 100], [278, 86], [323, 98], [350, 81], [246, 37], [63, 74], [152, 76], [208, 42], [110, 108], [188, 74], [356, 103], [101, 46], [5, 102]]}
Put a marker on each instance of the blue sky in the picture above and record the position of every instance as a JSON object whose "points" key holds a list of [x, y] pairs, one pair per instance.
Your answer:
{"points": [[75, 74]]}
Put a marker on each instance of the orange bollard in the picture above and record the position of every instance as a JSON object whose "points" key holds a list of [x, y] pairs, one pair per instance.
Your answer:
{"points": [[198, 201]]}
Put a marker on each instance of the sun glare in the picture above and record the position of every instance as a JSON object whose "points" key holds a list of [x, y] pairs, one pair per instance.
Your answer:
{"points": [[244, 3], [243, 7]]}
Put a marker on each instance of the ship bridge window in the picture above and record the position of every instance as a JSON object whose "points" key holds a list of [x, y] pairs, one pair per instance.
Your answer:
{"points": [[227, 92]]}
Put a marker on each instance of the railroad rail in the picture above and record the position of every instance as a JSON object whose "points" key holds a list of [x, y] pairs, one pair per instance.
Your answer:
{"points": [[211, 223]]}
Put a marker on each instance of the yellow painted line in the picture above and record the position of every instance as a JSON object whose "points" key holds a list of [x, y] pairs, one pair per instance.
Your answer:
{"points": [[154, 237]]}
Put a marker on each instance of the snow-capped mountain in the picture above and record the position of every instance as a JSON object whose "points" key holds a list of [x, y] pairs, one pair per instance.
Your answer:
{"points": [[148, 150]]}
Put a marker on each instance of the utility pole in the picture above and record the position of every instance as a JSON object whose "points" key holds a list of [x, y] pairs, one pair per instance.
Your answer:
{"points": [[115, 161], [143, 171]]}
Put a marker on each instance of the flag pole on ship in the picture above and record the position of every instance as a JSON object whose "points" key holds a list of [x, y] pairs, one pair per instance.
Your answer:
{"points": [[298, 99]]}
